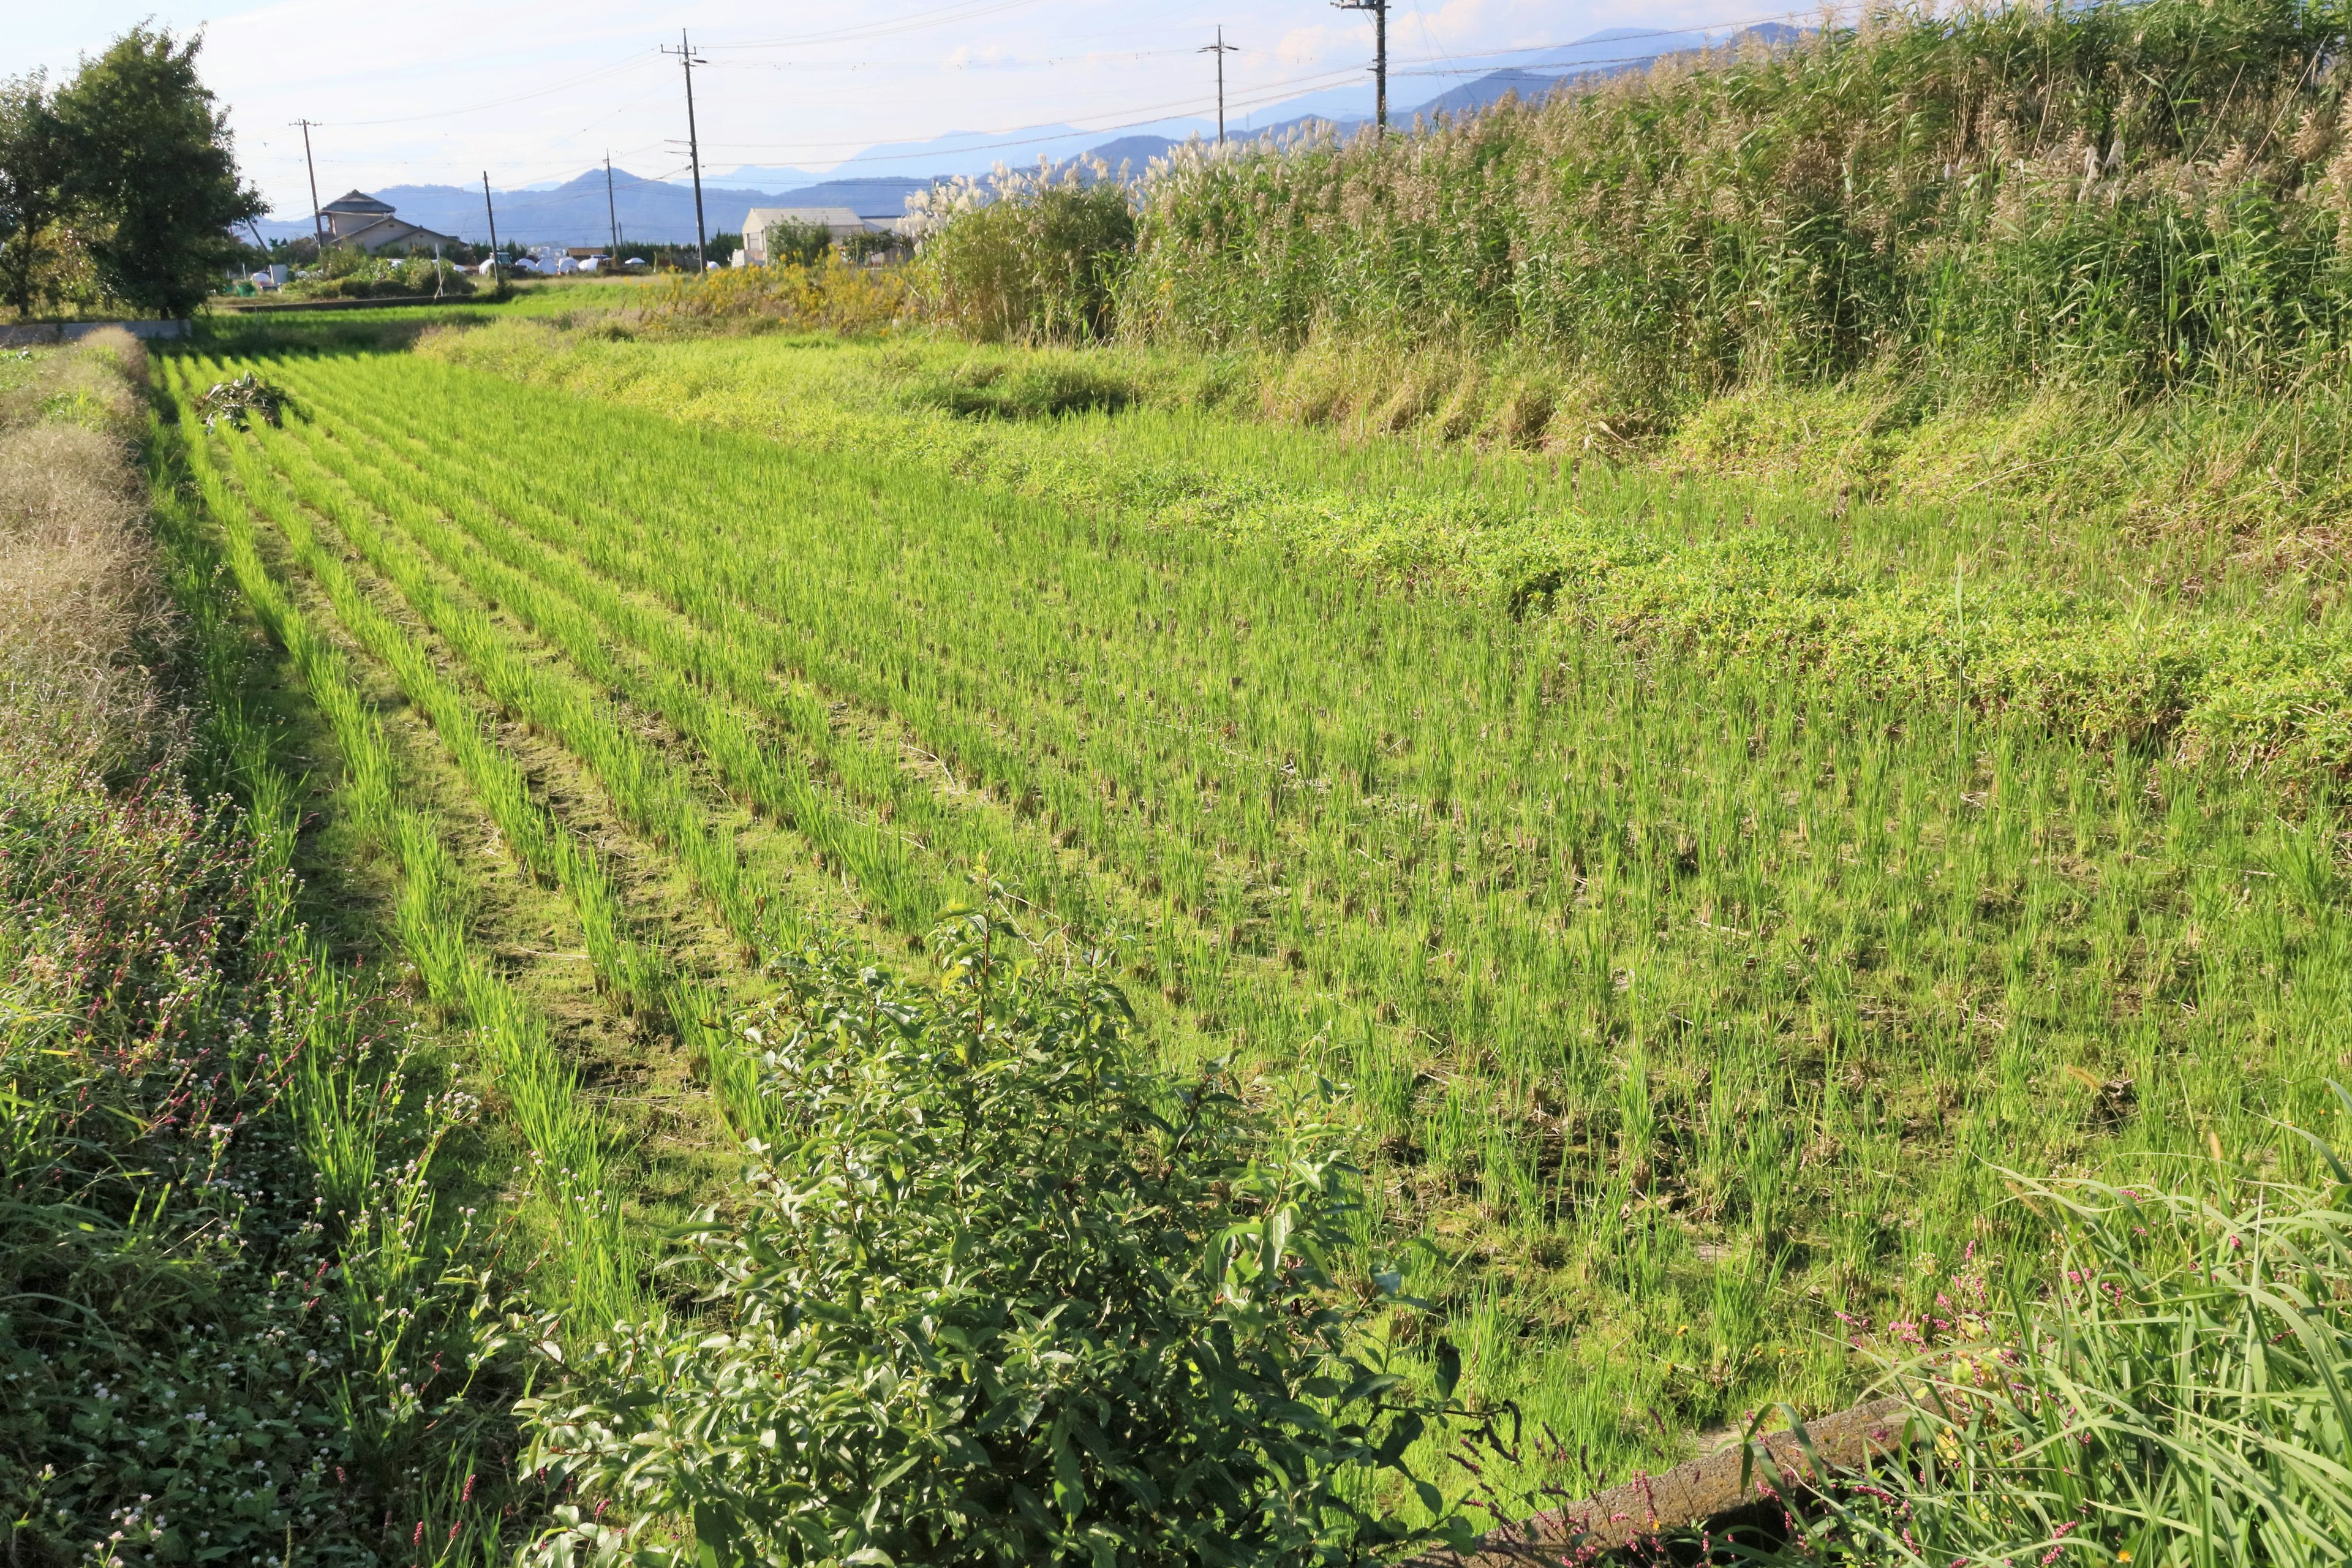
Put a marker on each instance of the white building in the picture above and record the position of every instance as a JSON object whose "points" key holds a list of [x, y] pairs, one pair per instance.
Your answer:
{"points": [[841, 221]]}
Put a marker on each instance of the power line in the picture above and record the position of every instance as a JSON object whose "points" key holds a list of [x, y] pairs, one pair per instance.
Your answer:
{"points": [[601, 71], [939, 16]]}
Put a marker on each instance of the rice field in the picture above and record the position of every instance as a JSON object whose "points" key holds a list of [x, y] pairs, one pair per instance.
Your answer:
{"points": [[1691, 1012]]}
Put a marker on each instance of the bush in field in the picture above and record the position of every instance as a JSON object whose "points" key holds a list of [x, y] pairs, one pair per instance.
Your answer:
{"points": [[1036, 258], [990, 1297], [2182, 1396], [2146, 192], [349, 274], [793, 243], [829, 296]]}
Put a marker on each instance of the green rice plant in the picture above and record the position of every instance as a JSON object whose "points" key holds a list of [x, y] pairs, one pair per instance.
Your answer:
{"points": [[2189, 640], [550, 592], [644, 787], [716, 644], [1477, 867], [641, 977], [599, 1280]]}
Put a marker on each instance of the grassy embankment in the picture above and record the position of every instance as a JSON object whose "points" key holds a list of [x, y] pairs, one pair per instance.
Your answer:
{"points": [[243, 1246]]}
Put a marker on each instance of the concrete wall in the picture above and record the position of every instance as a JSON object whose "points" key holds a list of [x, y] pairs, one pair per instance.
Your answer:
{"points": [[28, 334]]}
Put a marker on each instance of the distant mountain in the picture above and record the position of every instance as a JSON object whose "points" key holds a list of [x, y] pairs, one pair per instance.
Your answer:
{"points": [[758, 178], [878, 195], [877, 182], [656, 212], [1136, 151], [979, 151], [1604, 54]]}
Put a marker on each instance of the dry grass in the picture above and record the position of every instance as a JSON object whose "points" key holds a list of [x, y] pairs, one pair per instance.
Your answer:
{"points": [[83, 613]]}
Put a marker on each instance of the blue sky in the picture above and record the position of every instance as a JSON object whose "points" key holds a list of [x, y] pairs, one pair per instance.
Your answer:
{"points": [[437, 90]]}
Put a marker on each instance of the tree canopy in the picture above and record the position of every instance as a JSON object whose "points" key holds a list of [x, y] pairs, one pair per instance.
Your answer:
{"points": [[130, 164]]}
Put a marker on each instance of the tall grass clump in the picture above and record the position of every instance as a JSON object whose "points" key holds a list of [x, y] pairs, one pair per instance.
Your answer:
{"points": [[1029, 257], [2179, 1392], [2148, 193]]}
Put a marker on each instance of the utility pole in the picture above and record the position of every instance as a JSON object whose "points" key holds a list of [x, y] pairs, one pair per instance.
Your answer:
{"points": [[1221, 50], [318, 223], [1380, 10], [498, 273], [685, 53], [612, 212]]}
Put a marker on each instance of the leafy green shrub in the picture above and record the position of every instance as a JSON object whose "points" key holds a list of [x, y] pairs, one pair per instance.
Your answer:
{"points": [[989, 1297], [793, 243], [2179, 1395], [1029, 257], [349, 274]]}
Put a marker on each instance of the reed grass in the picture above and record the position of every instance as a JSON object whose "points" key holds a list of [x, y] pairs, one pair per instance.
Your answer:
{"points": [[2139, 193]]}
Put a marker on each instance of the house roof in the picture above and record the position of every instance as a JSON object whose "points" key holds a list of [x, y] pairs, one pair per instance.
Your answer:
{"points": [[760, 219], [391, 230], [357, 202]]}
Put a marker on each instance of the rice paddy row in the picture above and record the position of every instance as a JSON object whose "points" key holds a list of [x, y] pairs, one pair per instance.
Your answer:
{"points": [[1684, 1010]]}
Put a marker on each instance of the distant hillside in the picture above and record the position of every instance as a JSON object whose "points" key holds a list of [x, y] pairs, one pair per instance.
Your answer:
{"points": [[1136, 151], [1609, 53], [650, 211], [573, 212]]}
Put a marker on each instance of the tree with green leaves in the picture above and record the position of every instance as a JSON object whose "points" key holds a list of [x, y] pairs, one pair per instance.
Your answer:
{"points": [[148, 158], [32, 166]]}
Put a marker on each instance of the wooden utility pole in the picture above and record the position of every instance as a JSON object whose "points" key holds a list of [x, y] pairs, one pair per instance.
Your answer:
{"points": [[1221, 50], [612, 214], [498, 273], [685, 53], [1380, 10], [317, 222]]}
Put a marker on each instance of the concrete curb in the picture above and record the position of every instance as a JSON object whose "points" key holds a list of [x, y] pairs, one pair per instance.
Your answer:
{"points": [[30, 334]]}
